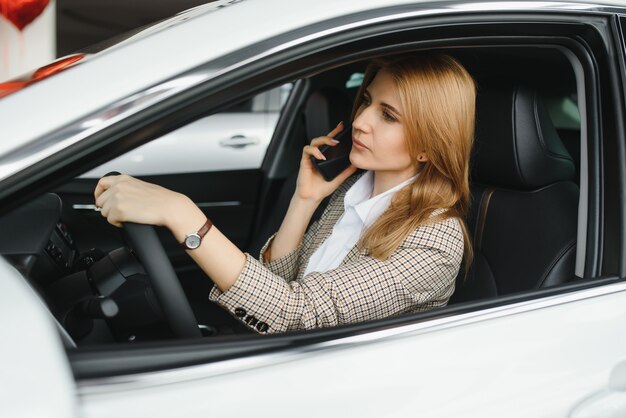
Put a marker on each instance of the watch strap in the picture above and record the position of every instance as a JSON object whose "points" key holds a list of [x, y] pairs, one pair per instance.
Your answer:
{"points": [[205, 228], [200, 234]]}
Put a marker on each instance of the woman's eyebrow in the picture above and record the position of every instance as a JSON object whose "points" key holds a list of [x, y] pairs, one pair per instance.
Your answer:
{"points": [[390, 107], [383, 104]]}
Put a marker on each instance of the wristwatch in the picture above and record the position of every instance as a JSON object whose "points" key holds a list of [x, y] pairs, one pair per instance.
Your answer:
{"points": [[193, 241]]}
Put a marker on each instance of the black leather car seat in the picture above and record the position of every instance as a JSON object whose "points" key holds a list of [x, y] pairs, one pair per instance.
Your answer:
{"points": [[523, 216]]}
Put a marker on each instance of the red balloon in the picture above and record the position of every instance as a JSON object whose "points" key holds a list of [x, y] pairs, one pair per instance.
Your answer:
{"points": [[22, 12]]}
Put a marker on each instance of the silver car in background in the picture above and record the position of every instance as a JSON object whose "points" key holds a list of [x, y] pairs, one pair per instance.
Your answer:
{"points": [[232, 140]]}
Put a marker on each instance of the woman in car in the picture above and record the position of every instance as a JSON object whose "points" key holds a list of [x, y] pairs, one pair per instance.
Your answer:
{"points": [[390, 241]]}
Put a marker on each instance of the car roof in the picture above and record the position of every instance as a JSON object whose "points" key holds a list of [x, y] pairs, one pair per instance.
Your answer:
{"points": [[189, 40]]}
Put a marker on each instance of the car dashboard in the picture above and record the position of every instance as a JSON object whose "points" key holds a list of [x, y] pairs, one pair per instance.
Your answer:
{"points": [[36, 242], [97, 297]]}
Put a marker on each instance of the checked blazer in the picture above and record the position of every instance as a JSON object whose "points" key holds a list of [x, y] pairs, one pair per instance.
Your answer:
{"points": [[275, 297]]}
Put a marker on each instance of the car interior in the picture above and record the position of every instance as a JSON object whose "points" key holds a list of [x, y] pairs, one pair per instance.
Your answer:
{"points": [[525, 182], [524, 170]]}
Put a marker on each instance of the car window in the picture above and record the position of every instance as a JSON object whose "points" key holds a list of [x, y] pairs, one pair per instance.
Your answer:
{"points": [[234, 139], [563, 111], [565, 115]]}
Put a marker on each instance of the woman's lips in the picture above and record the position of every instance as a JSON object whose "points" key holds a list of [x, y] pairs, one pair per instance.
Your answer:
{"points": [[358, 144]]}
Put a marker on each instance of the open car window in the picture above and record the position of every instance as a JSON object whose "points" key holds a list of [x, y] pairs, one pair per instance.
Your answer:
{"points": [[248, 202]]}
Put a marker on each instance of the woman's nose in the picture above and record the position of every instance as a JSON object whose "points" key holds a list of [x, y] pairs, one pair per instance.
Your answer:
{"points": [[361, 120]]}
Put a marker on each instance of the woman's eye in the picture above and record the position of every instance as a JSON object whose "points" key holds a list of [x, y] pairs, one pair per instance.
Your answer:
{"points": [[388, 116]]}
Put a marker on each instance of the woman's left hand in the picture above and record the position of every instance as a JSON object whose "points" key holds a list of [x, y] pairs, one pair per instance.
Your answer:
{"points": [[126, 199]]}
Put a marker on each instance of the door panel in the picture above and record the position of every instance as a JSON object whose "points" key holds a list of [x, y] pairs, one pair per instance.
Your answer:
{"points": [[530, 359]]}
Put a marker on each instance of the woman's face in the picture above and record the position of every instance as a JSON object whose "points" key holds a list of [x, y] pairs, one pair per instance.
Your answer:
{"points": [[377, 131]]}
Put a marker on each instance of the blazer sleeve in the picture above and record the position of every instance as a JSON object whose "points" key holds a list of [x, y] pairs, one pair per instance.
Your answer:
{"points": [[419, 275], [288, 265]]}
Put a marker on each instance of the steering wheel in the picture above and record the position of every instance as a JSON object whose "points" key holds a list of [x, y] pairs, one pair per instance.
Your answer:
{"points": [[169, 293]]}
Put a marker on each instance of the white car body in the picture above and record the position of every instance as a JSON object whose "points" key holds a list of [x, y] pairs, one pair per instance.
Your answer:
{"points": [[556, 356], [439, 369]]}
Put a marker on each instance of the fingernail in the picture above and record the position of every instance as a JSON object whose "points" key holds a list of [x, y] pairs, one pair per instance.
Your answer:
{"points": [[340, 123], [334, 141]]}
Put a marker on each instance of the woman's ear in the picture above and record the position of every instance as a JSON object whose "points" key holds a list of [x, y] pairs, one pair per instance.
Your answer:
{"points": [[421, 157]]}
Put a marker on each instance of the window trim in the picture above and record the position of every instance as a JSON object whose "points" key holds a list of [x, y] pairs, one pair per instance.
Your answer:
{"points": [[619, 81]]}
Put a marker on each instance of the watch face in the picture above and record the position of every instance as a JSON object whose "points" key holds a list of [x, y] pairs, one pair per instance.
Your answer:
{"points": [[192, 241]]}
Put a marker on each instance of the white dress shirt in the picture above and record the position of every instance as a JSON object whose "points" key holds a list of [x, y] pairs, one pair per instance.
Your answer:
{"points": [[360, 211]]}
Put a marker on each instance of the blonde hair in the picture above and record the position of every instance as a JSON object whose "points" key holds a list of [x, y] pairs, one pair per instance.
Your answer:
{"points": [[438, 98]]}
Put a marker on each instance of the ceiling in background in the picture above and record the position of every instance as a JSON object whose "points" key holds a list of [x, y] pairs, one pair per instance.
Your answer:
{"points": [[83, 23]]}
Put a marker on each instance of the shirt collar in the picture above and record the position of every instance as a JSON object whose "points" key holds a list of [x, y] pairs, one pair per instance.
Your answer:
{"points": [[369, 209]]}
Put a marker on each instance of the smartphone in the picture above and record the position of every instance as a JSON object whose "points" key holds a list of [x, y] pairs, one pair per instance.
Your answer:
{"points": [[337, 157]]}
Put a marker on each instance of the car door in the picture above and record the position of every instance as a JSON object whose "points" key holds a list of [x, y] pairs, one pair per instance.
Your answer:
{"points": [[539, 353], [214, 160]]}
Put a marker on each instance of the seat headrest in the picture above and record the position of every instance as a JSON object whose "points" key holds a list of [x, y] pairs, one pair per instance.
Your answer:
{"points": [[517, 146], [324, 109]]}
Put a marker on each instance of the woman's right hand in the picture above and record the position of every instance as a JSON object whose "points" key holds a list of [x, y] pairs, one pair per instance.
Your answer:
{"points": [[311, 186]]}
